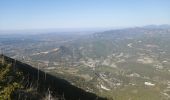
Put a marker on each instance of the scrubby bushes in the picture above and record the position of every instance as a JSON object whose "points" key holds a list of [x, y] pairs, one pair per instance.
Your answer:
{"points": [[9, 80]]}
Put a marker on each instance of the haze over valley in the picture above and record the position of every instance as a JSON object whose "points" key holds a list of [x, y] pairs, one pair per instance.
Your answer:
{"points": [[84, 50], [133, 62]]}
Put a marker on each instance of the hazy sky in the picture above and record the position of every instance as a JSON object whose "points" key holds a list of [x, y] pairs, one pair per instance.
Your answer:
{"points": [[40, 14]]}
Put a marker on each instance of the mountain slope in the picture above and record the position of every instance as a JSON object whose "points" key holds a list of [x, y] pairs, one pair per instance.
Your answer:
{"points": [[20, 81]]}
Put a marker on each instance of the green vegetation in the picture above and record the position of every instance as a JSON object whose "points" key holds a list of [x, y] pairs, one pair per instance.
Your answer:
{"points": [[9, 81]]}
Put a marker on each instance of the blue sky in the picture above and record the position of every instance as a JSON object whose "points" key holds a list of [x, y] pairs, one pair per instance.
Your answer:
{"points": [[46, 14]]}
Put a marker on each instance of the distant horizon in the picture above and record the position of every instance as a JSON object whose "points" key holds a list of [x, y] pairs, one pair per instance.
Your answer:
{"points": [[92, 29]]}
